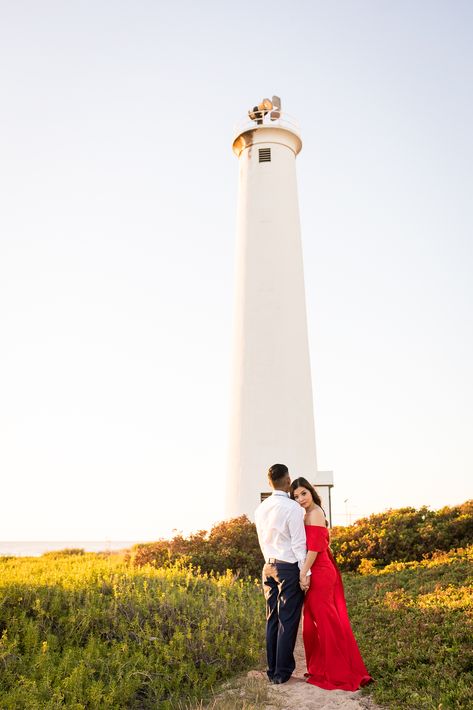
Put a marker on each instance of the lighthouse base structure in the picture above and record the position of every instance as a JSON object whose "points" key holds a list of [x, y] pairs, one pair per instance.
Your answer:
{"points": [[324, 483], [272, 408]]}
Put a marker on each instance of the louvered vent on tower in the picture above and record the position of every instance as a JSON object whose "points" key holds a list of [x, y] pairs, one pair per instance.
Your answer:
{"points": [[264, 155]]}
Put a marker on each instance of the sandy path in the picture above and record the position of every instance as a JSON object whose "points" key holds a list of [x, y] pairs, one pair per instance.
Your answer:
{"points": [[296, 694]]}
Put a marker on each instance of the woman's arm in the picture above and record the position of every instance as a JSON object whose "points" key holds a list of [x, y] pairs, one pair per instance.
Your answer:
{"points": [[315, 517], [305, 574], [309, 561]]}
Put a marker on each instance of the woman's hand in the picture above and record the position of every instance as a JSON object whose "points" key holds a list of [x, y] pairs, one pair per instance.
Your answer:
{"points": [[304, 581]]}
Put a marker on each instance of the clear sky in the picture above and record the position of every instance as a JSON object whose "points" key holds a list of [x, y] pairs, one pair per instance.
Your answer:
{"points": [[118, 195]]}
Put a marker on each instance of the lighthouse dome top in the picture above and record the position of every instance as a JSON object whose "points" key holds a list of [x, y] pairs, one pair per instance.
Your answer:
{"points": [[266, 116]]}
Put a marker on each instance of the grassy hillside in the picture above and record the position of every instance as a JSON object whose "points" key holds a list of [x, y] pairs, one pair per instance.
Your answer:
{"points": [[414, 624], [90, 631]]}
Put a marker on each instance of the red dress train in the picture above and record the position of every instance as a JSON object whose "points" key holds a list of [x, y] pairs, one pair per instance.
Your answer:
{"points": [[333, 659]]}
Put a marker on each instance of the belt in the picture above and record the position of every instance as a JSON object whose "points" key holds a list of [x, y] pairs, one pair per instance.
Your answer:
{"points": [[273, 560]]}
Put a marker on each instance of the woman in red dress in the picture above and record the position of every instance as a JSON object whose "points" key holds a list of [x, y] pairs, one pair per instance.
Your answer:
{"points": [[333, 659]]}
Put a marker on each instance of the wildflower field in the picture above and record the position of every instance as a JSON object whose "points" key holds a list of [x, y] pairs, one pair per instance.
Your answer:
{"points": [[90, 631]]}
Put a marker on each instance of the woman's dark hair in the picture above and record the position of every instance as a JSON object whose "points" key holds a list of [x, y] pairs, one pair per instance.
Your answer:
{"points": [[304, 483]]}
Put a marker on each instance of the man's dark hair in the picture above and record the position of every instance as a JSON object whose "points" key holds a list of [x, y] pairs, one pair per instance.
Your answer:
{"points": [[277, 471]]}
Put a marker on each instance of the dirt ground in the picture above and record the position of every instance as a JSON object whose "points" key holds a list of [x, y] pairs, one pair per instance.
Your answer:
{"points": [[296, 694], [254, 692]]}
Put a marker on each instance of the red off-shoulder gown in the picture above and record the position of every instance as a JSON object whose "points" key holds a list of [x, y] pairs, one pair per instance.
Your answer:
{"points": [[332, 655]]}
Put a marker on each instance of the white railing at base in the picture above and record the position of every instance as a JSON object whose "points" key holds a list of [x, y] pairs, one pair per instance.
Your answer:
{"points": [[268, 119]]}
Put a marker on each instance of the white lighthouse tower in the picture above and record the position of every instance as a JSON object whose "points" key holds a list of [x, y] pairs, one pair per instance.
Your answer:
{"points": [[272, 419]]}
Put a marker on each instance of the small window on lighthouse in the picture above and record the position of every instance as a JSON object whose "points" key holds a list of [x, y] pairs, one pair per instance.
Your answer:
{"points": [[264, 155]]}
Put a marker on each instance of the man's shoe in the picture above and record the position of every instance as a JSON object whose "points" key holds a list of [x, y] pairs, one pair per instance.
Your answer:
{"points": [[279, 681]]}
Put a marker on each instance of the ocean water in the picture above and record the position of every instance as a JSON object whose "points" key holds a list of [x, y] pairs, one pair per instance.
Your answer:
{"points": [[35, 548]]}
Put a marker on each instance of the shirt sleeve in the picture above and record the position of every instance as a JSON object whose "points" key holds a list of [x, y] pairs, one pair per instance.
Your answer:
{"points": [[297, 533], [258, 532]]}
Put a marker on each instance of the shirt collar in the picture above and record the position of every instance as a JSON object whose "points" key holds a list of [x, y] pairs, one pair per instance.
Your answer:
{"points": [[280, 493]]}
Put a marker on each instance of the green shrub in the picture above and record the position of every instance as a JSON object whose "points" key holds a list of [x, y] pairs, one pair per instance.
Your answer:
{"points": [[399, 535], [414, 624], [402, 535], [66, 551], [231, 545], [85, 631]]}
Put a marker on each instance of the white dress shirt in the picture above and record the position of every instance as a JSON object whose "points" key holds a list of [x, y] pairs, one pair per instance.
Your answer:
{"points": [[280, 527]]}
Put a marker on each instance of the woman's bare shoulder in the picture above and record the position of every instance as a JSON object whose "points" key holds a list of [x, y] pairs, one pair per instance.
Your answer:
{"points": [[315, 517]]}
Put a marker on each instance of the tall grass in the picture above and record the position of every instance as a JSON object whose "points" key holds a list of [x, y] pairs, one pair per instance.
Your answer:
{"points": [[90, 631]]}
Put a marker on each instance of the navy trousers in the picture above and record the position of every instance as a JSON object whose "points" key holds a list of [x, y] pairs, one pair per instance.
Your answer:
{"points": [[284, 599]]}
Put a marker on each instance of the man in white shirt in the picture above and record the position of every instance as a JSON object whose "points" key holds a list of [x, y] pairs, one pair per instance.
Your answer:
{"points": [[281, 534]]}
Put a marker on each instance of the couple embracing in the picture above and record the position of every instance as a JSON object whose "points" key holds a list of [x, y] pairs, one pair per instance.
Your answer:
{"points": [[300, 573]]}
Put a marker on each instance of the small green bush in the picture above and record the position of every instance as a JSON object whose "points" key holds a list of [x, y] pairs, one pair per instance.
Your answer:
{"points": [[65, 551], [231, 545]]}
